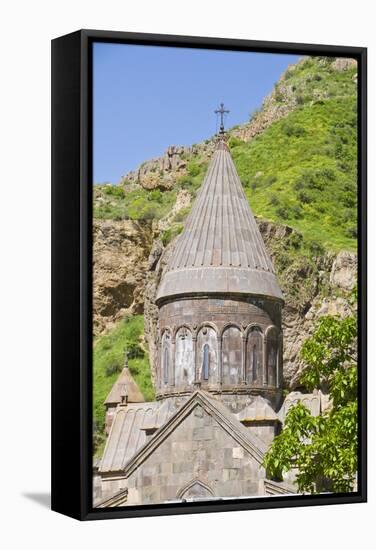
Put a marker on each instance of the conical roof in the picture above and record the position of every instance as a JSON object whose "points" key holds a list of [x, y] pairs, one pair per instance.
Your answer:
{"points": [[220, 249], [124, 385]]}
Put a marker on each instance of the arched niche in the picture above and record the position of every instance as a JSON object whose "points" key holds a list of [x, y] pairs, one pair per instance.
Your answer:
{"points": [[166, 363], [272, 355], [254, 357], [196, 489], [207, 355], [231, 356], [184, 357]]}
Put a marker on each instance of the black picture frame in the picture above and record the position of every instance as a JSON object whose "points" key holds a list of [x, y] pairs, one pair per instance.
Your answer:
{"points": [[72, 279]]}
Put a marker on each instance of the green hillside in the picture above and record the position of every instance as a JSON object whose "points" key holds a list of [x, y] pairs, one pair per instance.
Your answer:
{"points": [[303, 169], [108, 362]]}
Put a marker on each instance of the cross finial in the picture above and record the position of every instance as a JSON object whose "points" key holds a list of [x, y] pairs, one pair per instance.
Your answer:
{"points": [[221, 111]]}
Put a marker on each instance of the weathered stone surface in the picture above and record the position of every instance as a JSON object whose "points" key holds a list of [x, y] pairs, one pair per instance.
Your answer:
{"points": [[206, 455], [343, 63], [162, 172], [120, 261], [344, 271], [223, 324]]}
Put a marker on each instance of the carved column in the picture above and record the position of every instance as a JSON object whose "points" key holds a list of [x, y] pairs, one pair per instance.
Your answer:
{"points": [[265, 361], [159, 363], [244, 358], [195, 361], [172, 373], [219, 346], [280, 361]]}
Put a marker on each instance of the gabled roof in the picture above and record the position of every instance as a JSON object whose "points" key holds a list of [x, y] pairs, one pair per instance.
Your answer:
{"points": [[228, 421], [278, 488], [221, 248], [258, 410], [128, 431], [118, 499], [125, 384]]}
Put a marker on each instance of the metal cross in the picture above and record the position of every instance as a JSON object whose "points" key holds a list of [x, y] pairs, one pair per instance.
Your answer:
{"points": [[221, 111]]}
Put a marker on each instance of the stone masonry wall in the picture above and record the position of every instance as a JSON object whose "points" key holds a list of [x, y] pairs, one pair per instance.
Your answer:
{"points": [[223, 325], [195, 311], [199, 450]]}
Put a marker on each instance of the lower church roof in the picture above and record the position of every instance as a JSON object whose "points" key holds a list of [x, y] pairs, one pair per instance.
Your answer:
{"points": [[127, 445], [124, 386], [128, 431]]}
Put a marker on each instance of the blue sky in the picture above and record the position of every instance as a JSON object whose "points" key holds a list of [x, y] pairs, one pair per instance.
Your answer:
{"points": [[147, 98]]}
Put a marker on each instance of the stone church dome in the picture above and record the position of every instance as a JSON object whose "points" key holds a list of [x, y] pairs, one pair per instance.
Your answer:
{"points": [[219, 300], [221, 248]]}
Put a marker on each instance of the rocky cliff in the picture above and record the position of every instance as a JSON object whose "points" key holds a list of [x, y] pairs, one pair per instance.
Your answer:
{"points": [[120, 261]]}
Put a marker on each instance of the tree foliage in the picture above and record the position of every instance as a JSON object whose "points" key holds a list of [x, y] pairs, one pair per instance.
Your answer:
{"points": [[323, 448]]}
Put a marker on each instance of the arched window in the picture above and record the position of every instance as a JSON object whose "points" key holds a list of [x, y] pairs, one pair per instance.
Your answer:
{"points": [[254, 359], [165, 366], [232, 356], [184, 358], [165, 359], [195, 489], [207, 355], [206, 362], [254, 363]]}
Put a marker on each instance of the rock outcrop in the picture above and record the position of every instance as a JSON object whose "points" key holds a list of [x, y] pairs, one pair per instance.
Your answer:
{"points": [[162, 172], [120, 261], [344, 269]]}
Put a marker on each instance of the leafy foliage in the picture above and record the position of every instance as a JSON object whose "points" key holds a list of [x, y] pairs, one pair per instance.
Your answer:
{"points": [[138, 204], [195, 175], [323, 448], [109, 352], [171, 232]]}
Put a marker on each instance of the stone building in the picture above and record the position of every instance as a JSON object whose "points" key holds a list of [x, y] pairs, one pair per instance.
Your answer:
{"points": [[219, 371]]}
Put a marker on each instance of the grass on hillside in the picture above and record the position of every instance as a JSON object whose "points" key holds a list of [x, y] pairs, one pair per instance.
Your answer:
{"points": [[140, 204], [302, 171], [108, 362], [118, 203]]}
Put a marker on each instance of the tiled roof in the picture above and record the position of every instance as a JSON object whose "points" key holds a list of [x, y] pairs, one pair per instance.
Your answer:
{"points": [[221, 248], [128, 431], [127, 444], [124, 384]]}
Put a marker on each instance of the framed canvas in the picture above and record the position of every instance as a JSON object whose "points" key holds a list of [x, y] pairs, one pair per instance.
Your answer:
{"points": [[209, 274]]}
